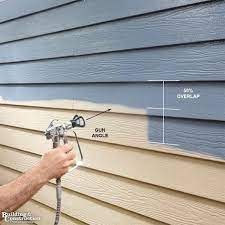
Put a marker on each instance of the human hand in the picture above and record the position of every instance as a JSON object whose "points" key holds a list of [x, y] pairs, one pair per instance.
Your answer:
{"points": [[55, 163]]}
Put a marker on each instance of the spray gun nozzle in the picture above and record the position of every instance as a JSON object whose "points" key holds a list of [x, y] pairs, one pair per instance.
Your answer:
{"points": [[78, 121]]}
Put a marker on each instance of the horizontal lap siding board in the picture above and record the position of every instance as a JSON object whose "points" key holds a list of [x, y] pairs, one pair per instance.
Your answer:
{"points": [[126, 97], [6, 223], [197, 172], [149, 200], [166, 63], [87, 209], [93, 152], [46, 213], [206, 137], [121, 129], [10, 9], [78, 14], [164, 28]]}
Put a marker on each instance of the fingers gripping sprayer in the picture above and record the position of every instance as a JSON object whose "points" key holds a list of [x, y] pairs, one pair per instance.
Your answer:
{"points": [[56, 131]]}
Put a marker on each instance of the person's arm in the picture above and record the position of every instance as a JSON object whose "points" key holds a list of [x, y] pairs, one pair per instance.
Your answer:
{"points": [[54, 163]]}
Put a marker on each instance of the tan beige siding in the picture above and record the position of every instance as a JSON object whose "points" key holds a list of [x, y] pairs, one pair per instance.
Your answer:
{"points": [[125, 184], [149, 166]]}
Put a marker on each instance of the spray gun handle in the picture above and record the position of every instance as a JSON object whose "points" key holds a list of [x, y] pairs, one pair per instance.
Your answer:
{"points": [[78, 162], [57, 140], [65, 140]]}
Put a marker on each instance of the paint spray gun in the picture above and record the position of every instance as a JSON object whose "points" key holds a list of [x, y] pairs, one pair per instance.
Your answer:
{"points": [[56, 131]]}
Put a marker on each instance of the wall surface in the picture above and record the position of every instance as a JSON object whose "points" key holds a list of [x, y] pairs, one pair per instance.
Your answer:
{"points": [[159, 66]]}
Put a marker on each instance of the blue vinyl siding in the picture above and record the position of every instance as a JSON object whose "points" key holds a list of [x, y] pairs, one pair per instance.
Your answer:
{"points": [[106, 53]]}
